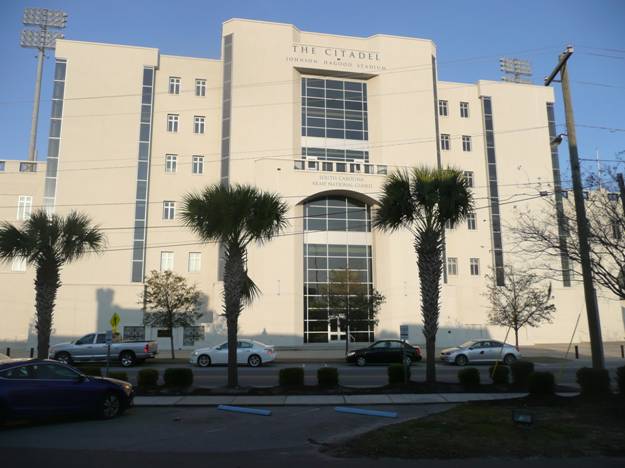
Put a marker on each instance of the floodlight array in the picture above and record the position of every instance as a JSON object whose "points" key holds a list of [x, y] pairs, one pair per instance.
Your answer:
{"points": [[45, 18], [39, 39]]}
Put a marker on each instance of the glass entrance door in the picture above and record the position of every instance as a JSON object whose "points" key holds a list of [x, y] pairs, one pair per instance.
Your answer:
{"points": [[334, 330]]}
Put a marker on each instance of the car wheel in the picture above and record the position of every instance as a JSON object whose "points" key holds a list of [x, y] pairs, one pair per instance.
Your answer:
{"points": [[111, 406], [461, 360], [509, 359], [254, 360], [361, 361], [127, 359], [63, 357], [204, 360]]}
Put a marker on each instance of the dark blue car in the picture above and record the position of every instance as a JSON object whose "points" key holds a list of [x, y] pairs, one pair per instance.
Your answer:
{"points": [[35, 388]]}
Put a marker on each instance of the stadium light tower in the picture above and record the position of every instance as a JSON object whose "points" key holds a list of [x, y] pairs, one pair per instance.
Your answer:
{"points": [[40, 39], [516, 70]]}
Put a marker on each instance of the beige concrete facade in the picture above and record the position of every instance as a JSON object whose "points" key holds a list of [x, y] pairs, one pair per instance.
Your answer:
{"points": [[98, 166]]}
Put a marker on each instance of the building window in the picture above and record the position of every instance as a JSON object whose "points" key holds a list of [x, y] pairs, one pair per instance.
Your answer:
{"points": [[169, 209], [197, 166], [198, 124], [442, 108], [616, 230], [171, 161], [200, 88], [172, 123], [174, 85], [337, 214], [468, 177], [167, 261], [330, 154], [464, 110], [2, 166], [18, 264], [28, 166], [195, 262], [24, 207], [448, 224], [471, 222], [445, 142], [466, 143], [452, 266], [474, 265], [334, 109]]}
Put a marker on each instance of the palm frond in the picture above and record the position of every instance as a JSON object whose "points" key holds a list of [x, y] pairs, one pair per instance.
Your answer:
{"points": [[397, 205]]}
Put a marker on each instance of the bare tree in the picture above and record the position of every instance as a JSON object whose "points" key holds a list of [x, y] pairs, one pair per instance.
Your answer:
{"points": [[170, 302], [521, 301], [554, 245]]}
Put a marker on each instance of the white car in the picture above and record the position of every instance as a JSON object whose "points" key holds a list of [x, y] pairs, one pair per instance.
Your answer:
{"points": [[250, 352]]}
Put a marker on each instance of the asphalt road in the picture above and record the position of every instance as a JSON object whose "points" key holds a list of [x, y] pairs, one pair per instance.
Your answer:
{"points": [[166, 437], [349, 375]]}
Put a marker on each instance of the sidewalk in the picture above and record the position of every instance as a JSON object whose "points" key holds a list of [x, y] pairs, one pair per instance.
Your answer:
{"points": [[324, 400]]}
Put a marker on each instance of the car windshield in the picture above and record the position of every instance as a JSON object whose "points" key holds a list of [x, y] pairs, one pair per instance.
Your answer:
{"points": [[468, 344]]}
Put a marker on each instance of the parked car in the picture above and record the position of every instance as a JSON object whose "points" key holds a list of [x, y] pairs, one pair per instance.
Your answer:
{"points": [[92, 347], [250, 352], [42, 387], [385, 351], [480, 351]]}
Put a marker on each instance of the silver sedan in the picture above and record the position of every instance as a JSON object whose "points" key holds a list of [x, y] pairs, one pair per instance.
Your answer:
{"points": [[250, 352], [480, 351]]}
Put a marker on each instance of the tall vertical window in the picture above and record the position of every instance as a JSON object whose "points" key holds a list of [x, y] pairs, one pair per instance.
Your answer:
{"points": [[195, 262], [24, 207], [445, 142], [452, 266], [171, 161], [471, 221], [464, 110], [442, 108], [2, 166], [172, 123], [198, 124], [169, 209], [468, 177], [54, 140], [466, 143], [197, 166], [200, 87], [167, 261], [18, 264], [174, 85], [474, 265], [334, 109]]}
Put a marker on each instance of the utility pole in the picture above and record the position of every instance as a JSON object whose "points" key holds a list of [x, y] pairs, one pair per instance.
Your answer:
{"points": [[621, 187], [41, 40], [592, 309]]}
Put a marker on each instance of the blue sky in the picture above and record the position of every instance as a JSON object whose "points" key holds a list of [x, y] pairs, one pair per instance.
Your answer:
{"points": [[470, 36]]}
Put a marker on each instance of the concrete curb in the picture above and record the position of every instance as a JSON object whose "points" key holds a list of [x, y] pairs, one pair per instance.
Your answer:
{"points": [[325, 400]]}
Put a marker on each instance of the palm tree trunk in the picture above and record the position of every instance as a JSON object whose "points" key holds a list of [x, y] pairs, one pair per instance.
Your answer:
{"points": [[47, 282], [234, 279], [429, 261]]}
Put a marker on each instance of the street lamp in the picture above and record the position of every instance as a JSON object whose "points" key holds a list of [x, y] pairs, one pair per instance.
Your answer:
{"points": [[40, 39]]}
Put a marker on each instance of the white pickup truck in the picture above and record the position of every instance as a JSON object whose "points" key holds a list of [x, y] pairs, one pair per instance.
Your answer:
{"points": [[92, 347]]}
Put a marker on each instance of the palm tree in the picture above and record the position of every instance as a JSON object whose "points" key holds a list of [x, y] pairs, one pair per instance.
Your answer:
{"points": [[48, 242], [423, 200], [235, 217]]}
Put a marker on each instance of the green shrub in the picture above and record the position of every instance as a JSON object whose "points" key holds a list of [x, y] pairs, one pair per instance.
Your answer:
{"points": [[593, 381], [91, 370], [396, 373], [291, 377], [147, 378], [499, 374], [521, 371], [620, 380], [328, 376], [469, 377], [541, 383], [179, 377], [119, 375]]}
